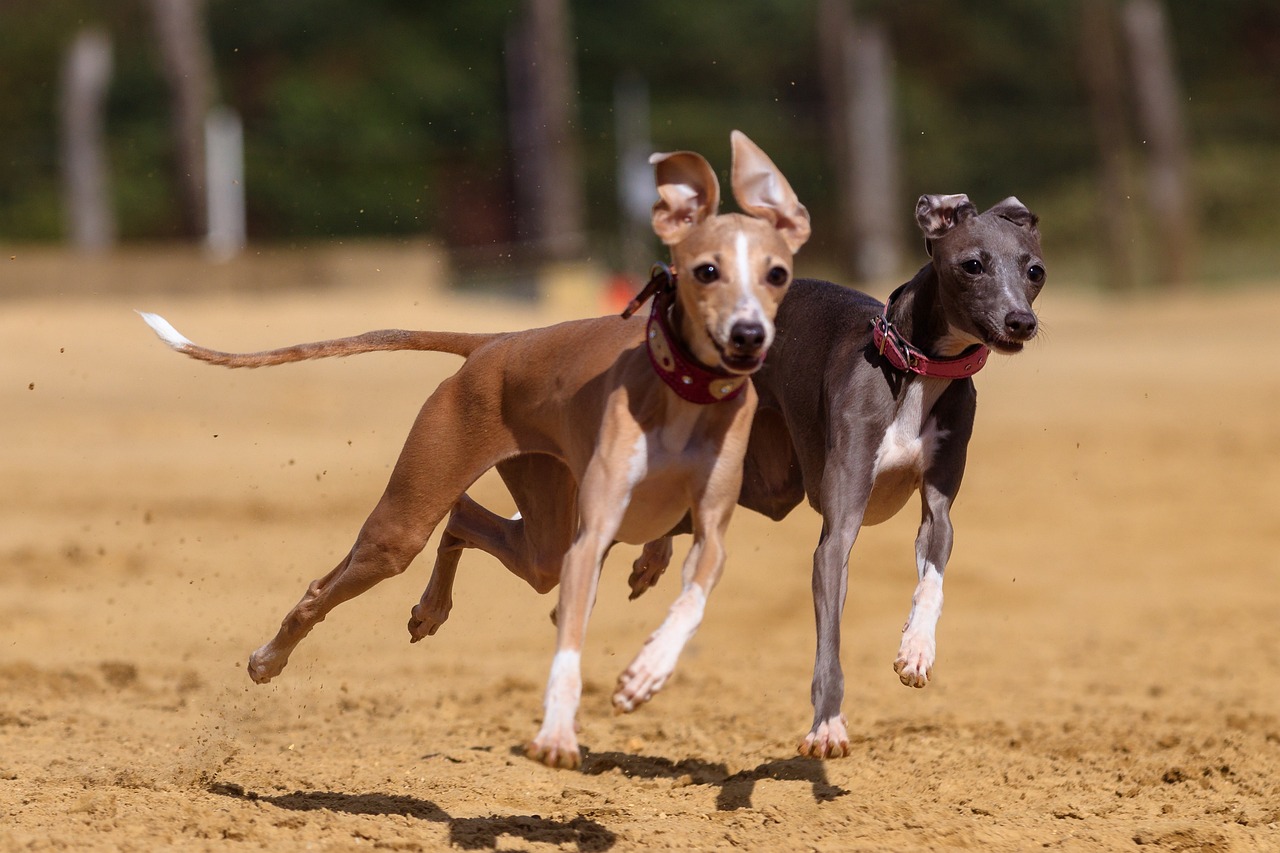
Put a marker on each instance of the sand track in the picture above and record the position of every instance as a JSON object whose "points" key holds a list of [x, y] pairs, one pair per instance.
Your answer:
{"points": [[1109, 655]]}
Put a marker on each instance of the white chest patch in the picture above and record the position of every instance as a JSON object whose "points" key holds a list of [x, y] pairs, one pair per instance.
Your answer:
{"points": [[908, 446], [901, 447], [905, 452]]}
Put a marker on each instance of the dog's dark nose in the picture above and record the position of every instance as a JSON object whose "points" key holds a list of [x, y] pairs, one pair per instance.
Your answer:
{"points": [[1020, 325], [747, 337]]}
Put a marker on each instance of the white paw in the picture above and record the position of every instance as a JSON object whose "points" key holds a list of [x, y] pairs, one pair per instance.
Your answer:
{"points": [[555, 746], [828, 739], [646, 675], [915, 659]]}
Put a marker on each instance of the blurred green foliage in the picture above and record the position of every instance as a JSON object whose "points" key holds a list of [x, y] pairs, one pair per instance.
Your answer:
{"points": [[388, 117]]}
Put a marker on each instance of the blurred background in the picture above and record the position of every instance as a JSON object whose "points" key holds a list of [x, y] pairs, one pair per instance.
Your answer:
{"points": [[501, 138]]}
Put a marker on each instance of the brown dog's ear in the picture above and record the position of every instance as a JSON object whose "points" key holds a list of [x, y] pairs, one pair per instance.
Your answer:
{"points": [[938, 214], [1016, 212], [688, 192], [761, 190]]}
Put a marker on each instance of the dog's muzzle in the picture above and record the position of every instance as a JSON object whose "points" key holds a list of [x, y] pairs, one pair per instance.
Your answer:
{"points": [[748, 343]]}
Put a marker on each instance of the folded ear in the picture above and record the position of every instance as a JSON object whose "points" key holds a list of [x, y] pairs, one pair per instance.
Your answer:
{"points": [[938, 214], [762, 191], [1016, 212], [688, 192]]}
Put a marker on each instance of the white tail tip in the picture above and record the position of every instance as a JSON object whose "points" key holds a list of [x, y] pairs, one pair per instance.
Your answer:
{"points": [[165, 330]]}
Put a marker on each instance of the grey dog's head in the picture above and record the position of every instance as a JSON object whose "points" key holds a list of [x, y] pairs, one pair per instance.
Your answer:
{"points": [[989, 267]]}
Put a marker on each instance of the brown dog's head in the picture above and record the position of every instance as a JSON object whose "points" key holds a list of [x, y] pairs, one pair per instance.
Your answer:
{"points": [[732, 270]]}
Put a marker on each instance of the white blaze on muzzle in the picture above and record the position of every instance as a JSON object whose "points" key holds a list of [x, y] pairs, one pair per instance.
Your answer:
{"points": [[746, 307]]}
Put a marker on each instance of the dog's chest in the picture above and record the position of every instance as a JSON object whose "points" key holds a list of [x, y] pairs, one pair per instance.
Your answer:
{"points": [[906, 449], [665, 463]]}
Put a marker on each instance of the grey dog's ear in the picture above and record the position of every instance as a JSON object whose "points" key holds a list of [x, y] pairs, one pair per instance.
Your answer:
{"points": [[1016, 212], [938, 214]]}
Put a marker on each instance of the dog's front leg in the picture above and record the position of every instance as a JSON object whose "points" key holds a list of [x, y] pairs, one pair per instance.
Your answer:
{"points": [[829, 738], [647, 674], [713, 507], [606, 493], [556, 744], [843, 504], [918, 649]]}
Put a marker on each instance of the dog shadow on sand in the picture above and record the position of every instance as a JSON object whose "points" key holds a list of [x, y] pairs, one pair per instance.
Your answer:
{"points": [[469, 833], [586, 835], [735, 788]]}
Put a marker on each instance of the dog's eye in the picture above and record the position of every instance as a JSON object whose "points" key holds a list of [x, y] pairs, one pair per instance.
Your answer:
{"points": [[1036, 274], [972, 267], [777, 276], [706, 273]]}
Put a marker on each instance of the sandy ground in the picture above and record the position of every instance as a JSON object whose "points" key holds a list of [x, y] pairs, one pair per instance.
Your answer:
{"points": [[1109, 656]]}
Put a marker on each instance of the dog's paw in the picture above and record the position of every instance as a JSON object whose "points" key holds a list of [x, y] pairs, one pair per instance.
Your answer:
{"points": [[915, 659], [646, 675], [555, 749], [264, 666], [649, 566], [635, 687], [424, 622], [829, 739]]}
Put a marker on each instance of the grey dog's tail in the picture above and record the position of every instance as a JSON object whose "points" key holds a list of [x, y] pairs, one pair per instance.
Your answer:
{"points": [[457, 343]]}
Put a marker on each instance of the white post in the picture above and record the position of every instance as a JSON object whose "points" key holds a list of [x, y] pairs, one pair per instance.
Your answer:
{"points": [[85, 78], [224, 182], [873, 149], [636, 193], [1159, 101]]}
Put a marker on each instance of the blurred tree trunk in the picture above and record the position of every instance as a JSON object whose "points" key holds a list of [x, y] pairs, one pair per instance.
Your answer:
{"points": [[1159, 105], [188, 68], [634, 174], [857, 61], [546, 166], [86, 76], [1105, 81], [835, 22]]}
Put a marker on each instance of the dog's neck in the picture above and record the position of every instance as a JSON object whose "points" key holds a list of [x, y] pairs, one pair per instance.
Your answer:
{"points": [[667, 329], [915, 335], [917, 312], [676, 366]]}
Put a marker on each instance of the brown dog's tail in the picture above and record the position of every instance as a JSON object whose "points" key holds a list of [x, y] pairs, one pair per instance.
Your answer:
{"points": [[457, 343]]}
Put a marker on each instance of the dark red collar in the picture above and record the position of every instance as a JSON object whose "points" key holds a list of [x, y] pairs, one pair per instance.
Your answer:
{"points": [[671, 360], [891, 344]]}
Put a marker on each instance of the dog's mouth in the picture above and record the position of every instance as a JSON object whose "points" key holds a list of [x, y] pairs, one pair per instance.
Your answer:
{"points": [[1003, 343], [742, 363], [735, 361], [1005, 346]]}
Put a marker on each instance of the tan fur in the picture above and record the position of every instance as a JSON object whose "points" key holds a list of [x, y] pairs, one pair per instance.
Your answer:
{"points": [[626, 457]]}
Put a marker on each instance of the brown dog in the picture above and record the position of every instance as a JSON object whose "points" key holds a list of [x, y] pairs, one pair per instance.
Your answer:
{"points": [[647, 425]]}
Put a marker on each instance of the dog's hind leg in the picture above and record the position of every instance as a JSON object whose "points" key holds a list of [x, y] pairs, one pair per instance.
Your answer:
{"points": [[437, 600], [434, 469], [532, 545], [654, 558]]}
